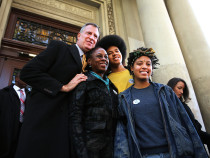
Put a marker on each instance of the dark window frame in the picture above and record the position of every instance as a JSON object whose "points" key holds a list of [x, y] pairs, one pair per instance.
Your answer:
{"points": [[25, 47], [16, 13]]}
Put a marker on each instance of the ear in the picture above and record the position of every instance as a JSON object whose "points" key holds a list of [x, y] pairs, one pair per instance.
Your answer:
{"points": [[89, 61], [131, 68], [78, 35]]}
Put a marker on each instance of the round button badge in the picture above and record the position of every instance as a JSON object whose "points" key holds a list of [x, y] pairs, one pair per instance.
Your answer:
{"points": [[136, 101]]}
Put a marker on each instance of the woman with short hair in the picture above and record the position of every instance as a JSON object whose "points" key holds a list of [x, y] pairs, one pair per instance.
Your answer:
{"points": [[93, 111]]}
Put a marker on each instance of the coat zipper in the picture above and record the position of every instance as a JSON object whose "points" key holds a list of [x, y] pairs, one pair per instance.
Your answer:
{"points": [[164, 120], [131, 120]]}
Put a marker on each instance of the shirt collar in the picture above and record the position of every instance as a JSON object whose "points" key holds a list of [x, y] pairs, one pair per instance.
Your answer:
{"points": [[18, 89], [105, 80], [80, 51]]}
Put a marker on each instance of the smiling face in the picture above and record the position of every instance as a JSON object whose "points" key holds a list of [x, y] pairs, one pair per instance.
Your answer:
{"points": [[99, 61], [115, 56], [179, 89], [142, 68], [87, 39]]}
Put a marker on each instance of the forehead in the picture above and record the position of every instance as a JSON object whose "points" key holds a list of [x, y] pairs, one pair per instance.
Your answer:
{"points": [[180, 83], [143, 58], [91, 28], [99, 51], [112, 48]]}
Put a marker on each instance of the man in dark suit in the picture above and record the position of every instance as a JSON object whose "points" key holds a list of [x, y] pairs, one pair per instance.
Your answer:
{"points": [[53, 73], [11, 116]]}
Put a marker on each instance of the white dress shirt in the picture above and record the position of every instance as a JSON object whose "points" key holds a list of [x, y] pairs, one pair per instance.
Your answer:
{"points": [[17, 89], [80, 52]]}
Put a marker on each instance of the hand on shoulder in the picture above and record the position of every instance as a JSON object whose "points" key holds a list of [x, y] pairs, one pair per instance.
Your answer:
{"points": [[73, 83]]}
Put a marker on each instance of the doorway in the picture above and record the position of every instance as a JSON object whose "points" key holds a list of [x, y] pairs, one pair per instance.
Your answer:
{"points": [[27, 35]]}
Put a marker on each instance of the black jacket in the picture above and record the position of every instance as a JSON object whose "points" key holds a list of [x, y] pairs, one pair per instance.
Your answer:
{"points": [[93, 115], [9, 121], [44, 133], [205, 137]]}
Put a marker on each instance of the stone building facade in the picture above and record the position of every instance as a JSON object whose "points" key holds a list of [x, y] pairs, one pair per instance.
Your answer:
{"points": [[168, 26]]}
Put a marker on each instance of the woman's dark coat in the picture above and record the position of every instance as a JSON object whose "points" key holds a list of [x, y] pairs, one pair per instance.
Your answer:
{"points": [[93, 116], [205, 137], [44, 132]]}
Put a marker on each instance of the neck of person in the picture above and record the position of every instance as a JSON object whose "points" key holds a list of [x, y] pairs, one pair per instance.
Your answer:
{"points": [[20, 86], [141, 83], [117, 68], [99, 73]]}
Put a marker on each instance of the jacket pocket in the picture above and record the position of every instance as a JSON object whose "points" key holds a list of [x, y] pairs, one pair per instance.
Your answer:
{"points": [[121, 149], [95, 126], [182, 139], [96, 138]]}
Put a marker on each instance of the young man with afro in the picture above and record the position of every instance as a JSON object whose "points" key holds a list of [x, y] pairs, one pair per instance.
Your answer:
{"points": [[116, 50]]}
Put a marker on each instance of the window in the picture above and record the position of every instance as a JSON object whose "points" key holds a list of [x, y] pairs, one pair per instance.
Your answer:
{"points": [[39, 34], [26, 36], [37, 30]]}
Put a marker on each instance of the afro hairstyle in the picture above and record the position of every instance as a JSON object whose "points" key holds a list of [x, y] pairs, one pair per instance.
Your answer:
{"points": [[113, 40]]}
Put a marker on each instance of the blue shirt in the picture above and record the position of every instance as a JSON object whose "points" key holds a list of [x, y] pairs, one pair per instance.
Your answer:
{"points": [[148, 121]]}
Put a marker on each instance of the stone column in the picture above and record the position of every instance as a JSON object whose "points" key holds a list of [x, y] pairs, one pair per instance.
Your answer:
{"points": [[195, 50], [159, 34], [4, 15]]}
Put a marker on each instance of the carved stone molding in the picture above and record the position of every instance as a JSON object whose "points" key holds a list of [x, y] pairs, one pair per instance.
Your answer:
{"points": [[108, 7], [110, 15], [59, 8], [71, 12]]}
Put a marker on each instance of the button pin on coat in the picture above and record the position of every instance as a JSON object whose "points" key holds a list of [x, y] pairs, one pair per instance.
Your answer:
{"points": [[136, 101]]}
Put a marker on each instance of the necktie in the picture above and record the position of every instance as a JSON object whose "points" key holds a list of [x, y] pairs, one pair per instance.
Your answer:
{"points": [[84, 63], [22, 105]]}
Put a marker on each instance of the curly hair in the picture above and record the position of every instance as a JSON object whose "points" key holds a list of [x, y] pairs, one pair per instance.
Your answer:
{"points": [[149, 52], [172, 83], [113, 40]]}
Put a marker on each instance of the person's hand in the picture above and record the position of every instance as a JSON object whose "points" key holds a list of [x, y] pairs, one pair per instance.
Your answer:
{"points": [[73, 83]]}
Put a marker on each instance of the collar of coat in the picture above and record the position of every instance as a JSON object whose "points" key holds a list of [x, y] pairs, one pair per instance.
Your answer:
{"points": [[91, 78]]}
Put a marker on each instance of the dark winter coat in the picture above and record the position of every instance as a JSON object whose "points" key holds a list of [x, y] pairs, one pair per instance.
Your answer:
{"points": [[9, 121], [93, 116], [44, 133], [205, 137]]}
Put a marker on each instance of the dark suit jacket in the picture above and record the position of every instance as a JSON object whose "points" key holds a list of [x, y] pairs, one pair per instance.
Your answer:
{"points": [[44, 133], [9, 121]]}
